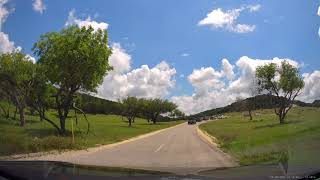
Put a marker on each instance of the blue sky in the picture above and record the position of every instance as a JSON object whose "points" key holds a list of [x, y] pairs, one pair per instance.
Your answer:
{"points": [[155, 31]]}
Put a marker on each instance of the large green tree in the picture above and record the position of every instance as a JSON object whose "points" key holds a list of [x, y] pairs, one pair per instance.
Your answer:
{"points": [[283, 81], [155, 107], [74, 59], [16, 75], [131, 107]]}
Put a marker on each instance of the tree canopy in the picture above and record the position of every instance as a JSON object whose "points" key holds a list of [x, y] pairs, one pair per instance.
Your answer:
{"points": [[73, 59], [16, 76]]}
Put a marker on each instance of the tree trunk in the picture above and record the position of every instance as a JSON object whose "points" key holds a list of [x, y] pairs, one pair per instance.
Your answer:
{"points": [[8, 112], [32, 112], [250, 115], [21, 114], [282, 115], [15, 113], [42, 113], [281, 118], [63, 125], [129, 119]]}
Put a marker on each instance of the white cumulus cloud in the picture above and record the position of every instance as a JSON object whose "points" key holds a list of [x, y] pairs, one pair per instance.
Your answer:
{"points": [[212, 90], [73, 20], [219, 19], [39, 6], [227, 69], [120, 60], [144, 81], [311, 90], [5, 44], [141, 82]]}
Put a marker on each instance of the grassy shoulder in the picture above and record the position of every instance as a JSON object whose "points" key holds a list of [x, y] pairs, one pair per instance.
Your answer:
{"points": [[39, 136], [264, 140]]}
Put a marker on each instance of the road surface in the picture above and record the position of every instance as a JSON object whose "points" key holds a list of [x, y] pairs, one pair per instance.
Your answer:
{"points": [[179, 149]]}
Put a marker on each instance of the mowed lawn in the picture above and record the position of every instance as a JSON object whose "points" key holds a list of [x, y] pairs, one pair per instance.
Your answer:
{"points": [[264, 140], [41, 136]]}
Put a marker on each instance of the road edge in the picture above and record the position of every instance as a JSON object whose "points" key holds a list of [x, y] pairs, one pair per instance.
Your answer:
{"points": [[213, 141]]}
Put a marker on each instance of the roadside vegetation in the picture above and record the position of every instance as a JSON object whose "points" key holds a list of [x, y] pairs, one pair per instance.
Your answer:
{"points": [[264, 140], [37, 136]]}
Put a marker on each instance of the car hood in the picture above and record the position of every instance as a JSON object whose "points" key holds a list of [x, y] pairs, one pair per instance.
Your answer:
{"points": [[63, 170]]}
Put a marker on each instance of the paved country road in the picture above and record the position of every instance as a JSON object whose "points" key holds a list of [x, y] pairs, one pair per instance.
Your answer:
{"points": [[179, 149]]}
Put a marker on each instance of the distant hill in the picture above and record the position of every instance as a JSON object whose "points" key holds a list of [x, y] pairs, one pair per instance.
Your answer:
{"points": [[260, 102]]}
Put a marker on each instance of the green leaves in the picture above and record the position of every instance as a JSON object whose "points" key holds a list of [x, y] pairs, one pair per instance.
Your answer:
{"points": [[284, 81], [16, 72], [75, 57], [277, 80]]}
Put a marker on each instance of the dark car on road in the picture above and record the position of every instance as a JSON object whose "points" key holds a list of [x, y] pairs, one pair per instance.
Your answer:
{"points": [[192, 121]]}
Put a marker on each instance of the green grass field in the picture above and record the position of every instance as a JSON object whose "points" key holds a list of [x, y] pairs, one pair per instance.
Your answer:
{"points": [[264, 140], [39, 136]]}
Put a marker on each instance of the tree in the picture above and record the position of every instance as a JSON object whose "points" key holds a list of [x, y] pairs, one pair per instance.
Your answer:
{"points": [[156, 107], [131, 107], [16, 74], [73, 59], [250, 102], [283, 81], [39, 98], [176, 113]]}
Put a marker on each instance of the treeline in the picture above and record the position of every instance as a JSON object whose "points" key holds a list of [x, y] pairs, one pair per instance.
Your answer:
{"points": [[150, 109], [253, 103], [153, 110]]}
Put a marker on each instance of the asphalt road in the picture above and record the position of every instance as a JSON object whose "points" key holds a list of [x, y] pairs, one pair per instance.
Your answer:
{"points": [[179, 149]]}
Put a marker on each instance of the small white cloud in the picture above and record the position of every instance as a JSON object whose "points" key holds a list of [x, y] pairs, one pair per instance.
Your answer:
{"points": [[73, 20], [185, 54], [254, 8], [181, 76], [39, 6], [243, 28], [219, 19], [318, 13]]}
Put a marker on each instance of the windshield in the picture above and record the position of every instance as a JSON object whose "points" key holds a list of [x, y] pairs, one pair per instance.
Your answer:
{"points": [[185, 89]]}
